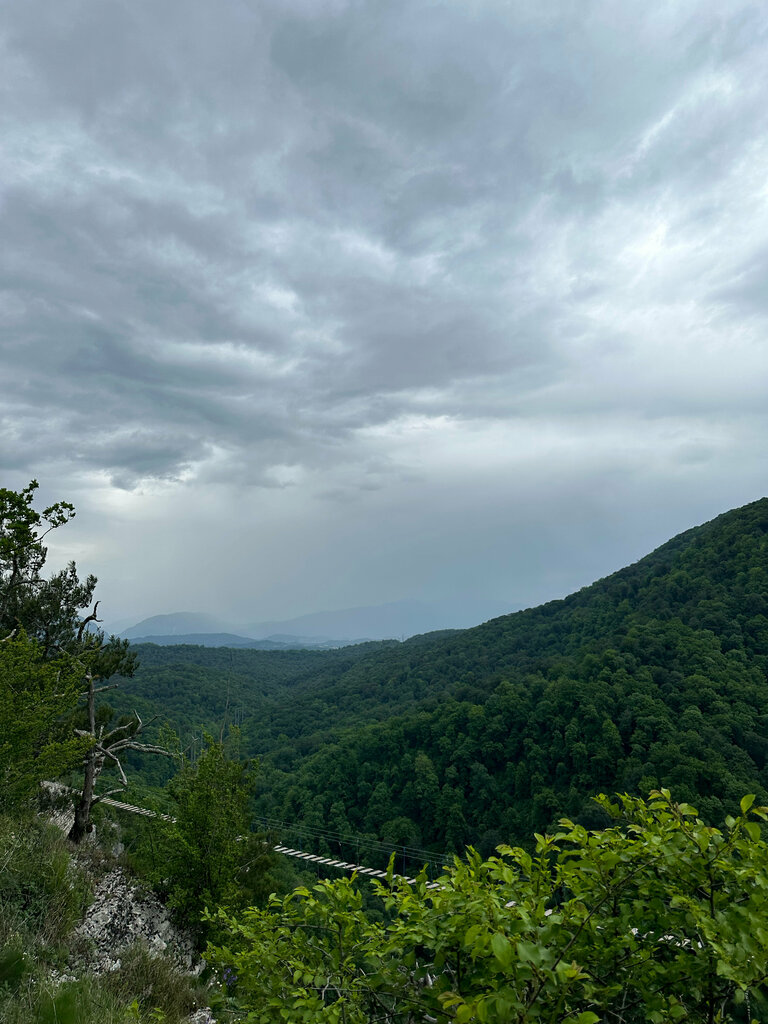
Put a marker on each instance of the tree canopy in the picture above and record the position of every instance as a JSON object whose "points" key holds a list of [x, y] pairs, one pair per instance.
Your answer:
{"points": [[657, 918], [51, 651], [48, 609], [205, 854], [35, 692], [655, 676]]}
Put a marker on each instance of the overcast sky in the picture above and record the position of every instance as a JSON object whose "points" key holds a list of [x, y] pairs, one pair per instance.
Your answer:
{"points": [[308, 304]]}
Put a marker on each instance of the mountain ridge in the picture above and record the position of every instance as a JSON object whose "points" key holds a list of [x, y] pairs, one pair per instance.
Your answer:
{"points": [[282, 642], [393, 620], [653, 675]]}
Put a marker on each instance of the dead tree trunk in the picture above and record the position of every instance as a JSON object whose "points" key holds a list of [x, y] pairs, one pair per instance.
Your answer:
{"points": [[104, 747], [82, 823]]}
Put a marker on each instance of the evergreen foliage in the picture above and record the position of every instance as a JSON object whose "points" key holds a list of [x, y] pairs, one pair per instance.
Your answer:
{"points": [[34, 694], [42, 621], [206, 856], [49, 610]]}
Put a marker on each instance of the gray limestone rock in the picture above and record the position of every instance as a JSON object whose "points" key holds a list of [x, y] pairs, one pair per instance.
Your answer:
{"points": [[122, 914]]}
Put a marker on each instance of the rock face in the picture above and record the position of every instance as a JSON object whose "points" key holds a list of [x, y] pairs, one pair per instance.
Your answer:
{"points": [[122, 914], [202, 1016]]}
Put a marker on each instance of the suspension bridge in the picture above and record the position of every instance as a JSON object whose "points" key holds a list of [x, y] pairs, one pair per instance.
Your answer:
{"points": [[273, 825]]}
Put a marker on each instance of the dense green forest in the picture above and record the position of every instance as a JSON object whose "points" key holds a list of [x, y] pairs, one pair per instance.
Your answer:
{"points": [[654, 676], [648, 914]]}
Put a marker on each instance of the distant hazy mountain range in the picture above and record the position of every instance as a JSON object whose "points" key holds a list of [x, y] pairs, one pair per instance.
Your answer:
{"points": [[226, 640], [397, 620]]}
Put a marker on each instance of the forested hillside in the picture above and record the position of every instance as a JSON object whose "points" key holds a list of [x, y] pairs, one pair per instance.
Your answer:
{"points": [[653, 676]]}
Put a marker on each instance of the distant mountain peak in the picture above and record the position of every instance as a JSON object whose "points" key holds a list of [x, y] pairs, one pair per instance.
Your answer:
{"points": [[394, 620], [176, 624]]}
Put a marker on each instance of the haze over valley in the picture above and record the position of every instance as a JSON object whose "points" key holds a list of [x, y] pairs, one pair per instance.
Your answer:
{"points": [[397, 620]]}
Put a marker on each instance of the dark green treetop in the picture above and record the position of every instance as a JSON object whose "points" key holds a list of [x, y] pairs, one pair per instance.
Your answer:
{"points": [[50, 610], [51, 650]]}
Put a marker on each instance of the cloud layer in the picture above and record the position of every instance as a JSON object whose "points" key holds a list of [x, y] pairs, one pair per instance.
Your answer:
{"points": [[403, 298]]}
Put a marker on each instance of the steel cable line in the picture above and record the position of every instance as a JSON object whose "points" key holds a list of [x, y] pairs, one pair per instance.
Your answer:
{"points": [[310, 858], [415, 853]]}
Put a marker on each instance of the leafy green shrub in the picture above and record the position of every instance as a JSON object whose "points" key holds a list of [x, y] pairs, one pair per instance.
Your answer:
{"points": [[206, 856], [658, 919]]}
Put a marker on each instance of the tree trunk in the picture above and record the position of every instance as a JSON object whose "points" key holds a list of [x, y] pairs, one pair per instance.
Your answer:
{"points": [[82, 823], [105, 747]]}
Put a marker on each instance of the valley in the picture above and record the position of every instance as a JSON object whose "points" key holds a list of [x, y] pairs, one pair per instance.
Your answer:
{"points": [[557, 815], [654, 676]]}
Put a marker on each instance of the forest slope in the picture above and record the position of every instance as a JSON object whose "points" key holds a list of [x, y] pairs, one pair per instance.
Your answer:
{"points": [[655, 675]]}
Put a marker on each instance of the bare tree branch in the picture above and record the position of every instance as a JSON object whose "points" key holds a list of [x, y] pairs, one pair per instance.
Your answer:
{"points": [[117, 729], [101, 689], [105, 796], [150, 748], [106, 746], [89, 618], [116, 759]]}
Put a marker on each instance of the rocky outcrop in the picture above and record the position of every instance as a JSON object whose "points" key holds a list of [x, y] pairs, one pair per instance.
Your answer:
{"points": [[121, 914]]}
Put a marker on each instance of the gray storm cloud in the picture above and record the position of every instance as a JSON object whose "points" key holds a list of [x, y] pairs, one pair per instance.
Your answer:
{"points": [[360, 257]]}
